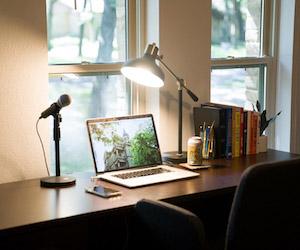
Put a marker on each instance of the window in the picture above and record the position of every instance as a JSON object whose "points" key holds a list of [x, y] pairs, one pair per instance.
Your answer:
{"points": [[241, 51], [238, 86], [87, 44]]}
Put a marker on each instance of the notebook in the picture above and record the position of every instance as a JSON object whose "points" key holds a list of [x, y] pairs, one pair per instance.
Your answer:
{"points": [[126, 152]]}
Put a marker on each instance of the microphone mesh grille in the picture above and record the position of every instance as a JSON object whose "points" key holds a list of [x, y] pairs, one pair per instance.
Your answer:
{"points": [[64, 100]]}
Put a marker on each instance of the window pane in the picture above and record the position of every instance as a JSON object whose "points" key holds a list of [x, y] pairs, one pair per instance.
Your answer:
{"points": [[92, 96], [94, 32], [238, 86], [236, 28]]}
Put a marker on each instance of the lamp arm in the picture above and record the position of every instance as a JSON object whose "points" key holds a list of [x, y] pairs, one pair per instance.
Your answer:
{"points": [[191, 94], [181, 82], [168, 69]]}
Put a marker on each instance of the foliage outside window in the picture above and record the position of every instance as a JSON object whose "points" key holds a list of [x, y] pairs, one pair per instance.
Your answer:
{"points": [[87, 42], [239, 60]]}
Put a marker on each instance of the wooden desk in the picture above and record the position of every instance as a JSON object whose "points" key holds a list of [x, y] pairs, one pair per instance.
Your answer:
{"points": [[26, 208]]}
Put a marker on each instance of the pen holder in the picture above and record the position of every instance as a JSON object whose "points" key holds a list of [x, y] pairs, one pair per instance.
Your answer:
{"points": [[209, 144]]}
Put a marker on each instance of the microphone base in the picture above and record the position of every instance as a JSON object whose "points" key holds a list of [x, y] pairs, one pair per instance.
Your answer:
{"points": [[58, 181]]}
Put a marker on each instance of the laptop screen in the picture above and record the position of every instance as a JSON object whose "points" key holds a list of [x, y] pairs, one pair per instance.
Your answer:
{"points": [[123, 142]]}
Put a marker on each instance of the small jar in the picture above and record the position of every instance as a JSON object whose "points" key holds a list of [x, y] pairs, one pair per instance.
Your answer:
{"points": [[194, 152]]}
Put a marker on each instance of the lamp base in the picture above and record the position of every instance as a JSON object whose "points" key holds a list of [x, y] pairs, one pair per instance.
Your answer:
{"points": [[58, 181], [174, 157]]}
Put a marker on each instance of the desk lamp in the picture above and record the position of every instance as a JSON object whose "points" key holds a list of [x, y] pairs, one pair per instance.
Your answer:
{"points": [[145, 71]]}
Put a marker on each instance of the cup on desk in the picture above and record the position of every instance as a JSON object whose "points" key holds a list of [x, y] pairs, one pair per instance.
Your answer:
{"points": [[194, 152]]}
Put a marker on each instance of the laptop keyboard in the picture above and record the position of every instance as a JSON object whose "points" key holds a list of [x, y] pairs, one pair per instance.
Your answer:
{"points": [[141, 173]]}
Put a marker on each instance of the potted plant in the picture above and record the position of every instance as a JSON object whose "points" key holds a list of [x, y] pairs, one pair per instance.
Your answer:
{"points": [[264, 123]]}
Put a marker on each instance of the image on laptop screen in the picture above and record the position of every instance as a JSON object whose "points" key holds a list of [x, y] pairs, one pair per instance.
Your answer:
{"points": [[121, 143]]}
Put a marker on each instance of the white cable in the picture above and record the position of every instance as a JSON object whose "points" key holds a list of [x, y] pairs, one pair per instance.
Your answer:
{"points": [[45, 159]]}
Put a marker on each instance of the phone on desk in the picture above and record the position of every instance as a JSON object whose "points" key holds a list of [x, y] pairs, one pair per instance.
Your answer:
{"points": [[103, 191]]}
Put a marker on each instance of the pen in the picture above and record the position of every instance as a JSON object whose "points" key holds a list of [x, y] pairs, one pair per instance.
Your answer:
{"points": [[207, 140], [201, 132]]}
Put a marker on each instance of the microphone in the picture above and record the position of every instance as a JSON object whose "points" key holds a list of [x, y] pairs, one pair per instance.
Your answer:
{"points": [[63, 100]]}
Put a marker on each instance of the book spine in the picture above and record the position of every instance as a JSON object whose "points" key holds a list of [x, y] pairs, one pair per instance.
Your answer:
{"points": [[249, 125], [233, 132], [245, 133], [222, 133], [228, 149], [241, 131], [253, 134], [257, 132], [236, 132]]}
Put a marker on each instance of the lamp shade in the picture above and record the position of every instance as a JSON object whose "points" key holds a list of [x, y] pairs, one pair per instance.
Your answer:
{"points": [[144, 71]]}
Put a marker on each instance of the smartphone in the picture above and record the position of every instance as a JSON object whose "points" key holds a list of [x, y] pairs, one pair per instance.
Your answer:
{"points": [[102, 191]]}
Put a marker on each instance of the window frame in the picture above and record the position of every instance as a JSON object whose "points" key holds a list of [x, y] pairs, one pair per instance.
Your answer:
{"points": [[267, 48], [133, 19], [262, 75], [269, 54]]}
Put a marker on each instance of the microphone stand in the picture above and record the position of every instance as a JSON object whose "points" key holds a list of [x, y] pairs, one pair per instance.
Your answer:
{"points": [[57, 181], [56, 137]]}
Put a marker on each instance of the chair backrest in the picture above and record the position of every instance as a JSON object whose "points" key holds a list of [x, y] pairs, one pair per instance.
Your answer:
{"points": [[165, 226], [265, 213]]}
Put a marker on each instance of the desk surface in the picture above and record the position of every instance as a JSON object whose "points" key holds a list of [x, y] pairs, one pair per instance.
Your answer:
{"points": [[25, 203]]}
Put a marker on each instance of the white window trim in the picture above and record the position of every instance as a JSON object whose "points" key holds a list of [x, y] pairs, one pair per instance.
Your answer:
{"points": [[241, 61], [84, 68]]}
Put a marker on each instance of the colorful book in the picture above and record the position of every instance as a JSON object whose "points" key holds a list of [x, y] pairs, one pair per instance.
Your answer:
{"points": [[257, 131], [242, 132], [254, 134], [245, 122], [228, 141], [237, 131], [249, 131]]}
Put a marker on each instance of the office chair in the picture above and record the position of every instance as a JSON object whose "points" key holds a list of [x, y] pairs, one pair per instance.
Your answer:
{"points": [[165, 226], [265, 213]]}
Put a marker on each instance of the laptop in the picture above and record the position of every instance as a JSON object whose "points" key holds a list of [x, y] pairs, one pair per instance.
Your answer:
{"points": [[126, 152]]}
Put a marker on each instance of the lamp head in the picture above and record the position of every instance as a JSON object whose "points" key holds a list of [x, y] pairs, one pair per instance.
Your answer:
{"points": [[144, 70]]}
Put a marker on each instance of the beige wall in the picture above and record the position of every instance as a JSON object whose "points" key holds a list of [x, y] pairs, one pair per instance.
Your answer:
{"points": [[183, 26], [184, 40], [23, 94]]}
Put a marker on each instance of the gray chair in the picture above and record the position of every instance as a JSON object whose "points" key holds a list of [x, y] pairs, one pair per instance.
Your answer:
{"points": [[165, 226], [265, 213]]}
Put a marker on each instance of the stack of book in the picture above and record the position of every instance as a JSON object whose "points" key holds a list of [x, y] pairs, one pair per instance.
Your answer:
{"points": [[236, 130]]}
